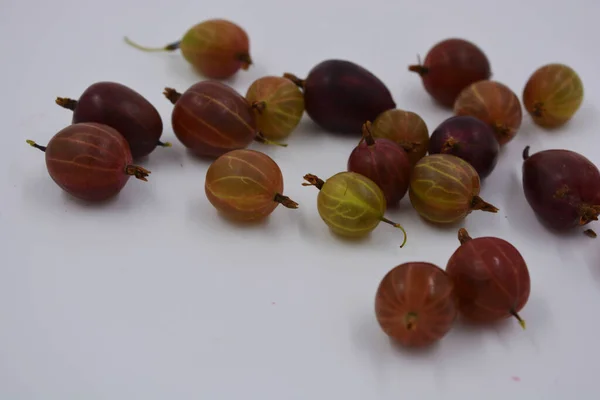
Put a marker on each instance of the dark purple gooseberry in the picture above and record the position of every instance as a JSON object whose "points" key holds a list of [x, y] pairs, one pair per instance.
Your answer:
{"points": [[123, 109], [384, 162], [562, 187], [468, 138], [340, 96]]}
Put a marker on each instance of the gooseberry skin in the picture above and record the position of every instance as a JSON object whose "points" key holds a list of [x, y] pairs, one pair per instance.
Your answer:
{"points": [[495, 104], [468, 138], [122, 108], [384, 162], [444, 189], [449, 67], [491, 279], [415, 304], [245, 185], [340, 96], [216, 48], [90, 161], [552, 95], [405, 128], [351, 204], [211, 119], [562, 187], [278, 105]]}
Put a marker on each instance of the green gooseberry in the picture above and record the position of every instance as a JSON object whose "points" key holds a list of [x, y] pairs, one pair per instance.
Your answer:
{"points": [[351, 204]]}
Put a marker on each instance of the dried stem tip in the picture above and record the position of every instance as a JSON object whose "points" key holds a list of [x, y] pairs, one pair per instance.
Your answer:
{"points": [[410, 321], [246, 60], [367, 134], [170, 47], [590, 233], [463, 236], [137, 171], [260, 138], [418, 68], [525, 153], [285, 201], [34, 144], [67, 103], [164, 144], [297, 81], [172, 95], [518, 317], [313, 180], [395, 225], [479, 204], [259, 106]]}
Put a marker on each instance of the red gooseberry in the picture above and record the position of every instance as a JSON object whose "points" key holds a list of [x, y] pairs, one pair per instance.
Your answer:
{"points": [[415, 304], [245, 185], [216, 48], [90, 161], [490, 277]]}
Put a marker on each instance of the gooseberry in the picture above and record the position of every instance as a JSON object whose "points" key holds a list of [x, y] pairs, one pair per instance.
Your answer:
{"points": [[384, 162], [415, 304], [216, 48], [495, 104], [468, 138], [340, 96], [449, 67], [445, 189], [211, 119], [405, 128], [122, 108], [491, 278], [278, 105], [90, 161], [351, 204], [245, 185], [562, 187], [552, 95]]}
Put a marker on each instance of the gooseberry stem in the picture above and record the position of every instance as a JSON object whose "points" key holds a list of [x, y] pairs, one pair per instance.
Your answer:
{"points": [[449, 145], [34, 144], [260, 138], [518, 317], [297, 81], [165, 144], [588, 213], [245, 59], [259, 106], [525, 153], [367, 135], [285, 201], [313, 180], [590, 233], [463, 236], [170, 47], [395, 225], [501, 129], [538, 109], [67, 103], [418, 68], [172, 95], [479, 204], [410, 321], [137, 171], [409, 147]]}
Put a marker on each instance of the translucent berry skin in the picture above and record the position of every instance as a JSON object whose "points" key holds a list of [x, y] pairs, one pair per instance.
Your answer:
{"points": [[216, 48], [405, 128], [468, 138], [123, 109], [415, 304], [211, 119], [491, 279], [340, 96], [449, 67], [444, 189], [386, 164], [89, 161], [351, 204], [552, 95], [562, 187], [278, 105], [244, 184], [495, 104]]}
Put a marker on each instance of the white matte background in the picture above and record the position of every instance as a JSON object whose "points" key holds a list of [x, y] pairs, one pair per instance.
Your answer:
{"points": [[154, 296]]}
